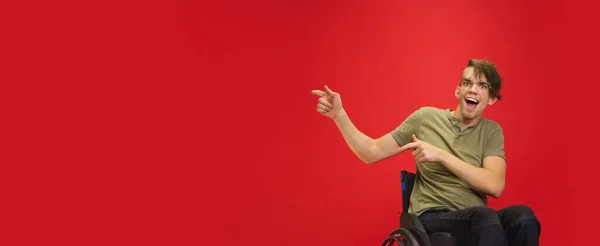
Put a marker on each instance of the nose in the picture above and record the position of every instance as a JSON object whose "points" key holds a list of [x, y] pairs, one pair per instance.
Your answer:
{"points": [[472, 89]]}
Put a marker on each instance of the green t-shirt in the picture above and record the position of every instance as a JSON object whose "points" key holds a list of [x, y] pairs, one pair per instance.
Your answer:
{"points": [[435, 186]]}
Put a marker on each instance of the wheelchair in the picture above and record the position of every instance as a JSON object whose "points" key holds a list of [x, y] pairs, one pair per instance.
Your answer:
{"points": [[411, 232]]}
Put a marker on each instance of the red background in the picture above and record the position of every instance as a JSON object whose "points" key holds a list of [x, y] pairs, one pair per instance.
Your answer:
{"points": [[192, 123]]}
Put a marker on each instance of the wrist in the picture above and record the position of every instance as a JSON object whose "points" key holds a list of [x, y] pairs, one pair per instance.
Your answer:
{"points": [[340, 115], [445, 158]]}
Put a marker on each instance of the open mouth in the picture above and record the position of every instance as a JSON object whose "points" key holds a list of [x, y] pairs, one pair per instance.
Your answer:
{"points": [[471, 103]]}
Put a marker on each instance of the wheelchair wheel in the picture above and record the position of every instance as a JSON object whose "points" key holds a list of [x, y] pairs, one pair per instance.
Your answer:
{"points": [[402, 237]]}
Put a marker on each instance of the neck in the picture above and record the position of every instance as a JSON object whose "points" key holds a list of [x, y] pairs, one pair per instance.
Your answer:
{"points": [[464, 123]]}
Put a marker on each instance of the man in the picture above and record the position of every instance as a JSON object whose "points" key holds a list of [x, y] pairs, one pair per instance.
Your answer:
{"points": [[460, 161]]}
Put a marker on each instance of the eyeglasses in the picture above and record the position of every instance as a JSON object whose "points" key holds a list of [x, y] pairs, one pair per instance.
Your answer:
{"points": [[481, 85]]}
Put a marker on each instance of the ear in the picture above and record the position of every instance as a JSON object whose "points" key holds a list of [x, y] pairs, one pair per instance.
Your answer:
{"points": [[492, 100], [457, 92]]}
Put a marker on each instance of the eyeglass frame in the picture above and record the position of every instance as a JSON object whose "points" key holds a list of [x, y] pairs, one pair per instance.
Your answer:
{"points": [[463, 81]]}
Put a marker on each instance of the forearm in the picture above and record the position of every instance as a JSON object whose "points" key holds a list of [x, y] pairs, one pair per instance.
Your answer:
{"points": [[359, 143], [480, 179]]}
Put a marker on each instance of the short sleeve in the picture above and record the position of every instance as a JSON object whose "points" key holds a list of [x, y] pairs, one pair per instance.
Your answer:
{"points": [[403, 133], [495, 143]]}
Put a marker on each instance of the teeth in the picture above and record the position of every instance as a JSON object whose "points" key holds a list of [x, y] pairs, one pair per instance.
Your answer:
{"points": [[472, 100]]}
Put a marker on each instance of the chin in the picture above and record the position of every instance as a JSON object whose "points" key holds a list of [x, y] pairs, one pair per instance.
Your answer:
{"points": [[469, 115]]}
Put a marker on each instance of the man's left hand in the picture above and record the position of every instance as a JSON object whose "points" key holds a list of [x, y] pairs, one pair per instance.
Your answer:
{"points": [[423, 151]]}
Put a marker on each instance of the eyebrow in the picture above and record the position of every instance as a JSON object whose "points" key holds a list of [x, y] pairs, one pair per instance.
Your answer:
{"points": [[481, 81]]}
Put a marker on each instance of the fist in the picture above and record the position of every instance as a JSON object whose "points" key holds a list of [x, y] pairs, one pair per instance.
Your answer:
{"points": [[329, 103]]}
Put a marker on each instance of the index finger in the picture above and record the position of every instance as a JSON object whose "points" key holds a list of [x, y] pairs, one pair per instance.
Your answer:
{"points": [[411, 145], [318, 93]]}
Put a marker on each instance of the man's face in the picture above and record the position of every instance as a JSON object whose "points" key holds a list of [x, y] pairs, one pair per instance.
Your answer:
{"points": [[473, 94]]}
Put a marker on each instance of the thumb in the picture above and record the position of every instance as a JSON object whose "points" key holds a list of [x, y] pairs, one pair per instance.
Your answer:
{"points": [[415, 138], [329, 91]]}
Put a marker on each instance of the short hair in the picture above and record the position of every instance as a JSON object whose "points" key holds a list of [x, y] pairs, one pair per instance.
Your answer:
{"points": [[488, 69]]}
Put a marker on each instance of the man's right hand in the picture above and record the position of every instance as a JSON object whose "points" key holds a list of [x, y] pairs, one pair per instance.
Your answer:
{"points": [[329, 103], [366, 148]]}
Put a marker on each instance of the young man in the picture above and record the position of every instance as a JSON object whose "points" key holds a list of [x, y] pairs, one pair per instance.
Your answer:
{"points": [[460, 161]]}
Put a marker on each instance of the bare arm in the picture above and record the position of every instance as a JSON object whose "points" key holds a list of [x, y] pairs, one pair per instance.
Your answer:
{"points": [[489, 179], [367, 149]]}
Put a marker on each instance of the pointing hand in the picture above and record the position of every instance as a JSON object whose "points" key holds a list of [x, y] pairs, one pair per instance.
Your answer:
{"points": [[329, 103], [423, 151]]}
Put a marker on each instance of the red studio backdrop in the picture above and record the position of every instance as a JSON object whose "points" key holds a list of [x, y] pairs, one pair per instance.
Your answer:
{"points": [[192, 122]]}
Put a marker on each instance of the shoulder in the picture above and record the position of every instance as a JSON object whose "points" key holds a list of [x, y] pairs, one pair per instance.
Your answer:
{"points": [[429, 112], [491, 127], [432, 110]]}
